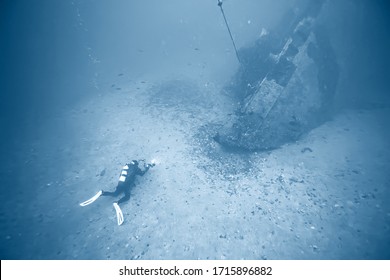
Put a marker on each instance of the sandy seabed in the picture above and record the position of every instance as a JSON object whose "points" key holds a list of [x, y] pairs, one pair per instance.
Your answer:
{"points": [[324, 197]]}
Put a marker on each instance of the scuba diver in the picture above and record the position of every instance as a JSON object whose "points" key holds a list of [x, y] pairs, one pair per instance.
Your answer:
{"points": [[126, 181]]}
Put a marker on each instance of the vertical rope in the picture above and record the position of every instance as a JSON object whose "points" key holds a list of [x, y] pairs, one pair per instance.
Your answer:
{"points": [[230, 33]]}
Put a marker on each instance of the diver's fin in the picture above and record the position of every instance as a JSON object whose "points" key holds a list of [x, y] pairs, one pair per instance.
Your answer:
{"points": [[119, 214], [92, 199]]}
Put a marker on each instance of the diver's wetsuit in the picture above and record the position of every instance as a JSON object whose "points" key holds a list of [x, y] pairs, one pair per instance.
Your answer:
{"points": [[126, 180]]}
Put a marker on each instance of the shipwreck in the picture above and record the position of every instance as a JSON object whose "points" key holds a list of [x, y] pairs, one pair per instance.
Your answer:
{"points": [[285, 84]]}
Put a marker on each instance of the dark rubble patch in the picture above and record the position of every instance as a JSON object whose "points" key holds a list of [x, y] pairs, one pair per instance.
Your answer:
{"points": [[216, 159]]}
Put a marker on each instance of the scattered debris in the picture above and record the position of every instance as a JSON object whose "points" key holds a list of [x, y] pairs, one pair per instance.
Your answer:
{"points": [[306, 149]]}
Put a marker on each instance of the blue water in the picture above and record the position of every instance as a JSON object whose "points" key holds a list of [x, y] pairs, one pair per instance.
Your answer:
{"points": [[87, 86]]}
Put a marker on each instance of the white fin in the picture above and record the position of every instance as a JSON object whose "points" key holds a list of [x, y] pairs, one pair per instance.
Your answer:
{"points": [[119, 214], [92, 199]]}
